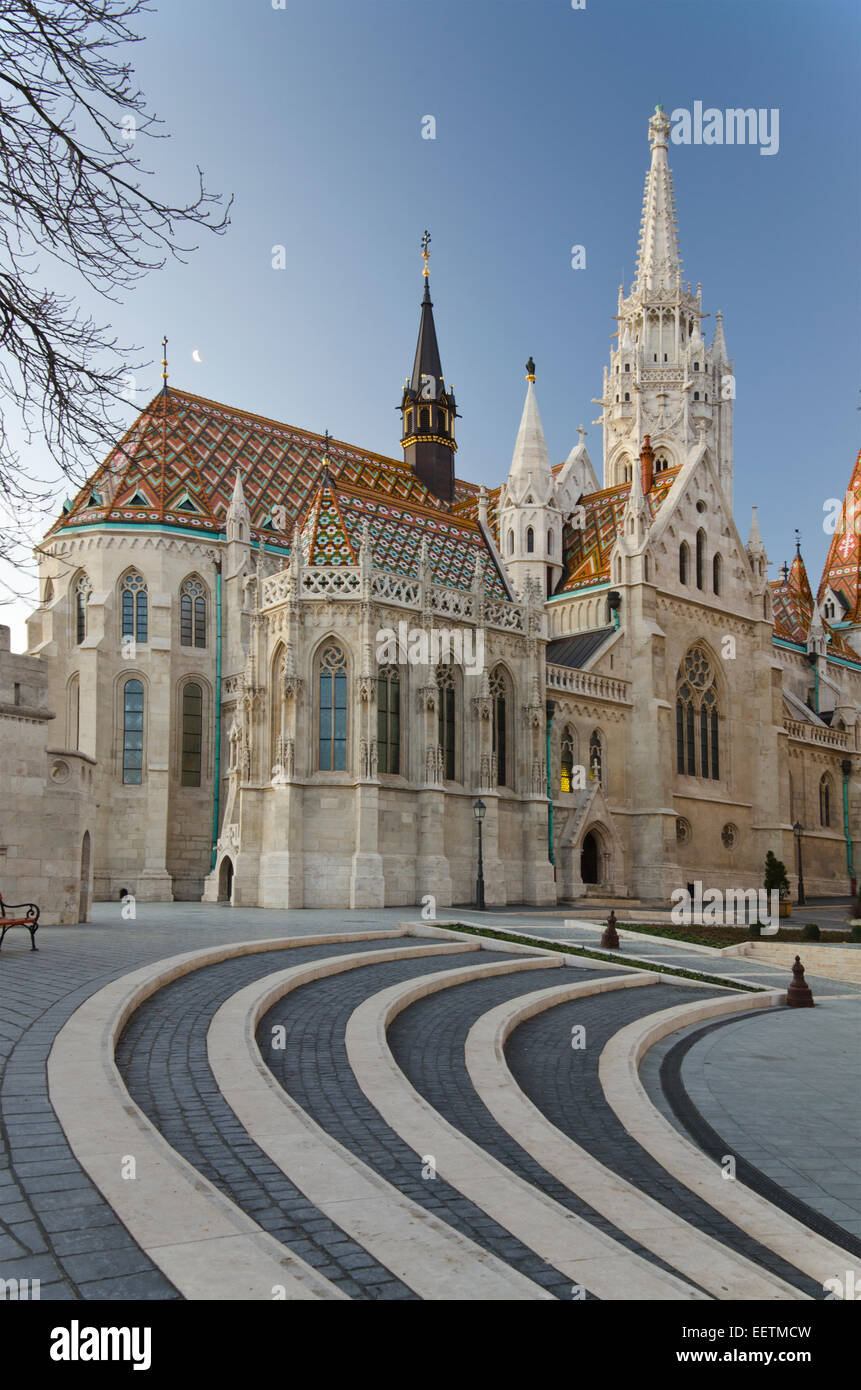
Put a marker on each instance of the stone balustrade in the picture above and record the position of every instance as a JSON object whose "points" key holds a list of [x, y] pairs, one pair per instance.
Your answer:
{"points": [[586, 683]]}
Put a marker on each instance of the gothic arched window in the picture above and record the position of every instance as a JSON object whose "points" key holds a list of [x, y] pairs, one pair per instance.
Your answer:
{"points": [[498, 692], [683, 562], [697, 722], [511, 542], [83, 589], [332, 746], [530, 540], [389, 720], [192, 614], [701, 559], [596, 758], [825, 789], [134, 605], [549, 542], [446, 722], [716, 573], [424, 418], [133, 732], [567, 759], [192, 734]]}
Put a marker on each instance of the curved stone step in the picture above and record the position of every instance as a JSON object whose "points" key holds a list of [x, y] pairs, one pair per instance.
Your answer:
{"points": [[794, 1242], [698, 1256], [589, 1257], [426, 1253]]}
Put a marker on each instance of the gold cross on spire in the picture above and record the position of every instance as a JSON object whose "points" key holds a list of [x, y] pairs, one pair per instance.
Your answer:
{"points": [[426, 241], [164, 360]]}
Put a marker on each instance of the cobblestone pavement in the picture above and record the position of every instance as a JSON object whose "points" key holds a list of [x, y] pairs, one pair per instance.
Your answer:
{"points": [[55, 1225]]}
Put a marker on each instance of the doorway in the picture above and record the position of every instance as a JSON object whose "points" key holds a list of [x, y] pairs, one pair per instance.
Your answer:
{"points": [[589, 858], [225, 881], [84, 892]]}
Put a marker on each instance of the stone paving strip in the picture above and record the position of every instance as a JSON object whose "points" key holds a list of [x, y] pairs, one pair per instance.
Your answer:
{"points": [[794, 1242], [591, 1259], [695, 1254], [426, 1253], [204, 1243]]}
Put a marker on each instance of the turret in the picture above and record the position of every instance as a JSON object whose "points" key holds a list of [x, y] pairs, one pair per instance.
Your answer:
{"points": [[530, 518], [428, 408]]}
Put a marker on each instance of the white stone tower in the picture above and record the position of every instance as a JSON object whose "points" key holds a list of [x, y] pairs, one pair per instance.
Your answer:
{"points": [[530, 518], [663, 380]]}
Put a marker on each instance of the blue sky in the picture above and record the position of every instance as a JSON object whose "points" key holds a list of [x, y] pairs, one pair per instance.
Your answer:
{"points": [[312, 115]]}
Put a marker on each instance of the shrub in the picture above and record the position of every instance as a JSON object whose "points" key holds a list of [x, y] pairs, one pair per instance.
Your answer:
{"points": [[775, 874], [754, 929], [855, 934], [810, 932]]}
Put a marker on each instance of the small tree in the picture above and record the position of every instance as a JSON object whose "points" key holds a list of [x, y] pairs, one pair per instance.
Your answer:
{"points": [[775, 874]]}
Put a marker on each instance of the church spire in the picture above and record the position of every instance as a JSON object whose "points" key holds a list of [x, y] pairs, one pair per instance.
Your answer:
{"points": [[428, 409], [659, 264], [530, 463]]}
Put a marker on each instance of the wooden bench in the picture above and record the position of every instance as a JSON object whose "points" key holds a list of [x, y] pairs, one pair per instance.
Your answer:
{"points": [[30, 920]]}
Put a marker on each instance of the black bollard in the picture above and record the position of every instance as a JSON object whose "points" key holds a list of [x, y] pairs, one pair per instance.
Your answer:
{"points": [[799, 995]]}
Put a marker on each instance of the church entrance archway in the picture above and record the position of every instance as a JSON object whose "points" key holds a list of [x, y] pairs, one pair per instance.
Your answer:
{"points": [[225, 881], [590, 858], [84, 893]]}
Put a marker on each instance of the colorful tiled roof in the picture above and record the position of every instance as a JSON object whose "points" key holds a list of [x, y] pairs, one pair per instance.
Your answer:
{"points": [[177, 463], [586, 549], [792, 605], [841, 572], [177, 466], [333, 528]]}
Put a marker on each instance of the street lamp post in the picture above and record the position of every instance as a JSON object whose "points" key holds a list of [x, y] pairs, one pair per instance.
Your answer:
{"points": [[797, 831], [479, 810]]}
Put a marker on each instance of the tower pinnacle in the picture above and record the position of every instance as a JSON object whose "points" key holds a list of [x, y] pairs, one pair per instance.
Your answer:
{"points": [[428, 409], [659, 264]]}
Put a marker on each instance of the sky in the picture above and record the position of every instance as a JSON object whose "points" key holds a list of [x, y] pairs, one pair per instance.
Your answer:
{"points": [[312, 115]]}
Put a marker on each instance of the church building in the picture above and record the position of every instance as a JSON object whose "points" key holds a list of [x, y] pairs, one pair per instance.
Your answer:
{"points": [[277, 669]]}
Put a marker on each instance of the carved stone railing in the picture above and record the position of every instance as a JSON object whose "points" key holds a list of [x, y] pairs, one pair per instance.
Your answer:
{"points": [[395, 588], [816, 733], [508, 616], [452, 603], [456, 605], [586, 683]]}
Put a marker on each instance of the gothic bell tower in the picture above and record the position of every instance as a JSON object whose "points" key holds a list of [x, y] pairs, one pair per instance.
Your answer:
{"points": [[428, 409]]}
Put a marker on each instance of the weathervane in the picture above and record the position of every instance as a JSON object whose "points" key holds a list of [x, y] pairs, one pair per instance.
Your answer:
{"points": [[798, 542], [164, 360], [426, 241]]}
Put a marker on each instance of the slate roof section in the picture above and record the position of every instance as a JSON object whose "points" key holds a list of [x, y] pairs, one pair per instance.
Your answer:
{"points": [[576, 651]]}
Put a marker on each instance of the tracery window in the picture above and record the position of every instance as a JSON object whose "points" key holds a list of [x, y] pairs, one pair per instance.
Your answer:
{"points": [[192, 734], [697, 717], [83, 589], [389, 720], [192, 614], [498, 691], [333, 709], [134, 606], [596, 758], [133, 732], [446, 721], [567, 760]]}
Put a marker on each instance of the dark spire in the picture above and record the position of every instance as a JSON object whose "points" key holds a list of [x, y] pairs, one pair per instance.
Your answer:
{"points": [[428, 409]]}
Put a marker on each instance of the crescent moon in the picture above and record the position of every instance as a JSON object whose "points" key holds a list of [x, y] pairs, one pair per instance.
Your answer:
{"points": [[196, 355]]}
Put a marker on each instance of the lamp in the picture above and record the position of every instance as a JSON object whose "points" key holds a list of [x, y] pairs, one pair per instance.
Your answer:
{"points": [[798, 830], [479, 810]]}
